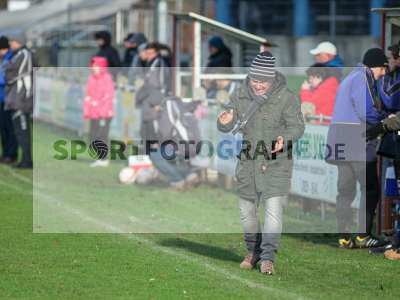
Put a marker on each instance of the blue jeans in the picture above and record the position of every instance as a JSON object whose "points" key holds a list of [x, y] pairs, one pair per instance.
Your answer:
{"points": [[173, 169]]}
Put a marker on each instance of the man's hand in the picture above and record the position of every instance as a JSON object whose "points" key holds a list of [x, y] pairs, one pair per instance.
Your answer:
{"points": [[392, 123], [306, 85], [226, 117], [375, 131], [278, 145]]}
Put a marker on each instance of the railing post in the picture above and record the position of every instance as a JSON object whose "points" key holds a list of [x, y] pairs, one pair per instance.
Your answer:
{"points": [[196, 54]]}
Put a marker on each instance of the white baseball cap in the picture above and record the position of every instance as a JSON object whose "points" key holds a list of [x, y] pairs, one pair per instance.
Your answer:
{"points": [[324, 47]]}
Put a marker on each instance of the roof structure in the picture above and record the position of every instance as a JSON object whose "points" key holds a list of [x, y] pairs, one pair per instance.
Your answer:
{"points": [[227, 29], [53, 14]]}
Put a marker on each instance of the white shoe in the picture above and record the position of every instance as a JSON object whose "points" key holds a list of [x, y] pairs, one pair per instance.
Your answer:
{"points": [[100, 163], [177, 186]]}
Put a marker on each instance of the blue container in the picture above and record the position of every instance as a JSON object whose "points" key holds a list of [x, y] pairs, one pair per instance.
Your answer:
{"points": [[391, 184]]}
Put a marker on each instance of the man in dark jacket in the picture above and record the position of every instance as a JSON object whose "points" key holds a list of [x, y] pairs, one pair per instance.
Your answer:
{"points": [[106, 50], [19, 95], [8, 139], [275, 124], [131, 44], [389, 85], [130, 50], [357, 108], [219, 61], [390, 126], [220, 55]]}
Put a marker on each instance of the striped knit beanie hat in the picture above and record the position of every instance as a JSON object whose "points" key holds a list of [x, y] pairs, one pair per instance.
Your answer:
{"points": [[262, 67]]}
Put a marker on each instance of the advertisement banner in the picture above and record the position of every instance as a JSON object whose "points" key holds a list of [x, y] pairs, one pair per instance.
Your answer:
{"points": [[60, 102]]}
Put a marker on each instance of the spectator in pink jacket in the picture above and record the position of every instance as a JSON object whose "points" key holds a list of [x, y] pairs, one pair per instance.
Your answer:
{"points": [[98, 107]]}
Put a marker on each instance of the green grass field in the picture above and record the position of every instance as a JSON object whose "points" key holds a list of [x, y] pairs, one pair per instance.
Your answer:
{"points": [[162, 266]]}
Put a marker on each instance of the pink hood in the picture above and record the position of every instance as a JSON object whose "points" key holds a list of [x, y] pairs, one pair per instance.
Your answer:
{"points": [[99, 100], [99, 61]]}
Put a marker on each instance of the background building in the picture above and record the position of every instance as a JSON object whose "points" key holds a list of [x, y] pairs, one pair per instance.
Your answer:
{"points": [[295, 25]]}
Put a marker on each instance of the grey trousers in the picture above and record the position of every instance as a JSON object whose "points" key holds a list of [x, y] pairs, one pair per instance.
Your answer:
{"points": [[263, 242]]}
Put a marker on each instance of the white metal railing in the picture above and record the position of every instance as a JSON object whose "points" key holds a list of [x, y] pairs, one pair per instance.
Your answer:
{"points": [[223, 76], [320, 118]]}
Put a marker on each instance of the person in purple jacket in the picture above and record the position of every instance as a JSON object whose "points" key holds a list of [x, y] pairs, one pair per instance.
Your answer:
{"points": [[357, 107]]}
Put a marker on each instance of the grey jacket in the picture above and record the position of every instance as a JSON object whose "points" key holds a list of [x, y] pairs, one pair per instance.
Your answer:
{"points": [[19, 78]]}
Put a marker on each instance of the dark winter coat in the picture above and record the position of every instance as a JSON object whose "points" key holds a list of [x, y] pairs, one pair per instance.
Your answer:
{"points": [[130, 53], [389, 90], [3, 64], [221, 59], [280, 115], [108, 51], [335, 67]]}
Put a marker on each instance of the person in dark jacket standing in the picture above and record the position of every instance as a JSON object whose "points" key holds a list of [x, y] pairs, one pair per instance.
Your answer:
{"points": [[106, 50], [275, 124], [389, 85], [357, 108], [131, 44], [8, 139], [130, 50], [391, 127], [219, 61], [19, 95], [220, 55]]}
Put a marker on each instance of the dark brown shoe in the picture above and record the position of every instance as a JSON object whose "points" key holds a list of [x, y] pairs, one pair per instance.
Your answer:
{"points": [[24, 165], [8, 160], [249, 262], [267, 267]]}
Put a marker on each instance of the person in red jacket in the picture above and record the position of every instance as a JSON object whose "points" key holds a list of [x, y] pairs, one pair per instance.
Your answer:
{"points": [[319, 89], [98, 105]]}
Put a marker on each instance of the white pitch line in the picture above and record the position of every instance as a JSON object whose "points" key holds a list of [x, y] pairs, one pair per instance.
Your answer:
{"points": [[18, 176], [202, 262], [16, 188], [114, 229]]}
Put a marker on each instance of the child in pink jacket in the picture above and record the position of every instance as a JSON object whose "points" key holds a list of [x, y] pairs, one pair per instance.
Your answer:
{"points": [[98, 106]]}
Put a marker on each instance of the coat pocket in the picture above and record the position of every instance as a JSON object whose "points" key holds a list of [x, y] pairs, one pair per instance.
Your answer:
{"points": [[244, 178], [271, 119]]}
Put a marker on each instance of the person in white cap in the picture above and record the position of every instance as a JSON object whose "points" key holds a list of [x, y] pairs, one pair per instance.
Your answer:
{"points": [[326, 54]]}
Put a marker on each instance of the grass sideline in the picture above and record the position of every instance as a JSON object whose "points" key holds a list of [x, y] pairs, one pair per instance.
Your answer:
{"points": [[171, 266]]}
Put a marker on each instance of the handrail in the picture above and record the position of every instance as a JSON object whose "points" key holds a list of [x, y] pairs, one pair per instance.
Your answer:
{"points": [[321, 118], [229, 29]]}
